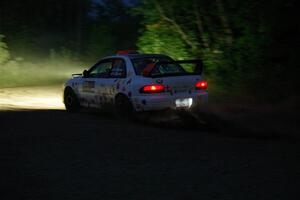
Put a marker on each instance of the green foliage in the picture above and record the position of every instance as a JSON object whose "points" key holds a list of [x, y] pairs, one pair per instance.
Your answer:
{"points": [[232, 37], [4, 53], [100, 42], [37, 26], [52, 39], [247, 46], [114, 29], [158, 39]]}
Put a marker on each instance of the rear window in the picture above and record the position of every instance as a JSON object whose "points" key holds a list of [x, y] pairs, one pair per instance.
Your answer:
{"points": [[139, 64], [166, 66]]}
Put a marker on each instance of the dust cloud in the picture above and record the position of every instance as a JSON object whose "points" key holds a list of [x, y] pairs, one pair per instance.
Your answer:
{"points": [[37, 97]]}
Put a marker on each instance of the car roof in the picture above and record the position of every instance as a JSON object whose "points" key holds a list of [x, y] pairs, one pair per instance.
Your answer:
{"points": [[134, 56]]}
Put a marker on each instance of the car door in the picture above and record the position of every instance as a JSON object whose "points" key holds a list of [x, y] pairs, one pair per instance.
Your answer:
{"points": [[93, 86], [116, 81]]}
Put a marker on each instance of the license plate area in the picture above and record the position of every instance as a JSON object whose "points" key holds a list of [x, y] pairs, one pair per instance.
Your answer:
{"points": [[184, 103], [181, 89]]}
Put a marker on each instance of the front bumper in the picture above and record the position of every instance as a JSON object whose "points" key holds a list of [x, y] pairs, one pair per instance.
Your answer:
{"points": [[161, 102]]}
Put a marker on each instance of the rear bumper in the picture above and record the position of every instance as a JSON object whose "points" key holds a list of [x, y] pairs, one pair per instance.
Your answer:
{"points": [[161, 102]]}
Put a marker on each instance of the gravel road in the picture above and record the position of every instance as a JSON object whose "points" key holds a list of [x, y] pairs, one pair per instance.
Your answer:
{"points": [[50, 154], [47, 153]]}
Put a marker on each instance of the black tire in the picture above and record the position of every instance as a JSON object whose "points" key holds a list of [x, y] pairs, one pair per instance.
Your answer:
{"points": [[71, 101], [123, 108]]}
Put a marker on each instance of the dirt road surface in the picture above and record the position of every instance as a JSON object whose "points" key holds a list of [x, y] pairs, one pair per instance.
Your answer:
{"points": [[51, 154]]}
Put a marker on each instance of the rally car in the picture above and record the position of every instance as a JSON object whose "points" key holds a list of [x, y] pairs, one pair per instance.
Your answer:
{"points": [[131, 83]]}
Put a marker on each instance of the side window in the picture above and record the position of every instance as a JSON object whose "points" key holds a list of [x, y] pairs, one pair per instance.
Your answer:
{"points": [[118, 69], [101, 70]]}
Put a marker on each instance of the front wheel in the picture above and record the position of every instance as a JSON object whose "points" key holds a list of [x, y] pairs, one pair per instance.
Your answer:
{"points": [[71, 101]]}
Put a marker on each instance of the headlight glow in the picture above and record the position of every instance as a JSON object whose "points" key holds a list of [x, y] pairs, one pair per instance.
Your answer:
{"points": [[31, 98]]}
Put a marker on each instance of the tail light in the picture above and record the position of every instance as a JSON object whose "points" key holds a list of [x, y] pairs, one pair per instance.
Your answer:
{"points": [[155, 88], [201, 85]]}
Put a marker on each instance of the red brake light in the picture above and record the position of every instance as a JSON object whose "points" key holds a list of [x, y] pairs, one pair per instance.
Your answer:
{"points": [[155, 88], [201, 85]]}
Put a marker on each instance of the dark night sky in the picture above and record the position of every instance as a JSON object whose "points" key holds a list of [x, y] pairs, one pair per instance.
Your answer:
{"points": [[127, 2]]}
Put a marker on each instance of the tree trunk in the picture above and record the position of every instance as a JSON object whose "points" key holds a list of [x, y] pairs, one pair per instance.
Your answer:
{"points": [[199, 23], [224, 22]]}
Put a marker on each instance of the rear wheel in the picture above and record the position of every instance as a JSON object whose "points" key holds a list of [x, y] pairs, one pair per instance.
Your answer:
{"points": [[71, 101], [123, 108]]}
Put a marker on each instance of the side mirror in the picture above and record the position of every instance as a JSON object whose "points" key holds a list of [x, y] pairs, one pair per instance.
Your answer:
{"points": [[85, 73]]}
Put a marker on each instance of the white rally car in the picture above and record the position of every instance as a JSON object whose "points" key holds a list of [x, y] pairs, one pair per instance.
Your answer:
{"points": [[133, 82]]}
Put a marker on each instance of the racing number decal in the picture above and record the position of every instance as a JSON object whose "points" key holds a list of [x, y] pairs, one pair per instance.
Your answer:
{"points": [[89, 86]]}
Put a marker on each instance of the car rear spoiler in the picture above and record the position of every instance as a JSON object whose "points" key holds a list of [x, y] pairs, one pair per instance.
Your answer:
{"points": [[150, 67]]}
